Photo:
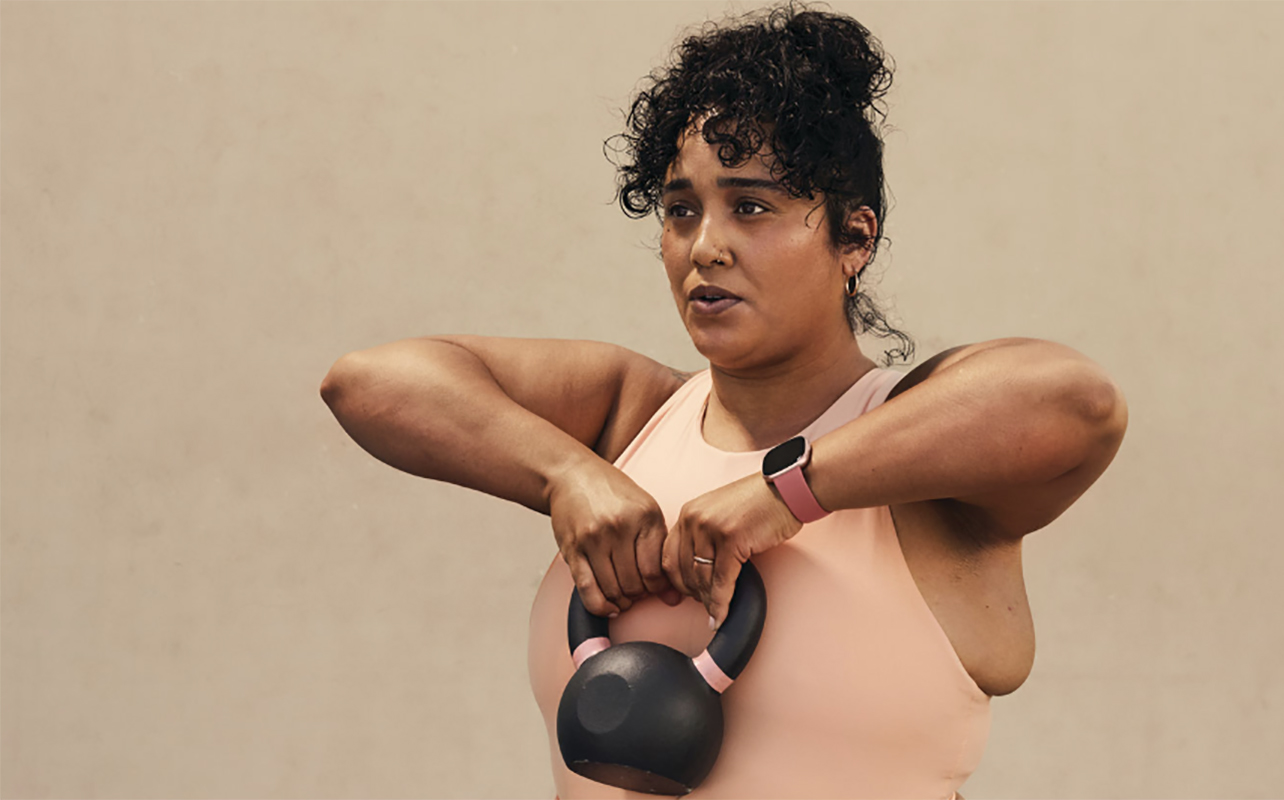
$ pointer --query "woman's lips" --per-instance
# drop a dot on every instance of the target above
(709, 300)
(709, 306)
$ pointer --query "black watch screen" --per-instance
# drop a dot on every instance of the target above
(783, 456)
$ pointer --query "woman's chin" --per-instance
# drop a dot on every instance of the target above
(726, 351)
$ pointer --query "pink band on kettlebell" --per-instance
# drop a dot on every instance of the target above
(589, 648)
(713, 674)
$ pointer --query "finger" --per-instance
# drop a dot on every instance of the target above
(590, 593)
(725, 573)
(673, 560)
(650, 559)
(686, 560)
(703, 545)
(624, 557)
(607, 581)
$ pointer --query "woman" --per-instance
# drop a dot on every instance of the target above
(891, 557)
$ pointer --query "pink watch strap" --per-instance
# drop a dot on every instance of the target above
(794, 490)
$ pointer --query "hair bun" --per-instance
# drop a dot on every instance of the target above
(839, 51)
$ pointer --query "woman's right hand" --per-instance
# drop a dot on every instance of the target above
(535, 421)
(611, 534)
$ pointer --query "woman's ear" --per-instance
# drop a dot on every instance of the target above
(860, 222)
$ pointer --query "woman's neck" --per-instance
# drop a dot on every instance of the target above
(760, 409)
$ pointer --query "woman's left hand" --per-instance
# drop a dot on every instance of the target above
(728, 525)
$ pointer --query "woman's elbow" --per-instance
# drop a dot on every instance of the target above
(1100, 405)
(345, 375)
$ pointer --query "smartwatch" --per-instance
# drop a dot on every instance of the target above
(783, 468)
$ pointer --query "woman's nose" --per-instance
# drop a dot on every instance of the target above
(709, 248)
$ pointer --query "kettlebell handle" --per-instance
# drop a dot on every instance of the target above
(727, 654)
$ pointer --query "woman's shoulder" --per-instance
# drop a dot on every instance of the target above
(646, 389)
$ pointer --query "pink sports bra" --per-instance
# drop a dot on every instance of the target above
(854, 689)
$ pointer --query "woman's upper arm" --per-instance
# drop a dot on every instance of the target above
(601, 394)
(1079, 412)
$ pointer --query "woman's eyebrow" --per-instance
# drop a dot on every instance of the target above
(751, 183)
(682, 184)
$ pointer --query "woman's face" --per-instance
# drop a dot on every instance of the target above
(755, 278)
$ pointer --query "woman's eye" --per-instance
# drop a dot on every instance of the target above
(677, 211)
(748, 206)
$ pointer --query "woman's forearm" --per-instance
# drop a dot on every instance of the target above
(1002, 427)
(433, 409)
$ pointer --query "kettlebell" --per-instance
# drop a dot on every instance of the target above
(643, 716)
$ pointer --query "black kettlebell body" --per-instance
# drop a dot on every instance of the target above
(643, 716)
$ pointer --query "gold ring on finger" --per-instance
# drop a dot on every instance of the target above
(703, 560)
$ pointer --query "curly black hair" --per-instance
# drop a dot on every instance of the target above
(804, 83)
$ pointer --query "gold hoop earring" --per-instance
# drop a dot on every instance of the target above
(853, 286)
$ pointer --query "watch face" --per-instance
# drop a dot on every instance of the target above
(782, 457)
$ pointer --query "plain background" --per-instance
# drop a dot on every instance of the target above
(210, 591)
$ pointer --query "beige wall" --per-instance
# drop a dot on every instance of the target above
(209, 591)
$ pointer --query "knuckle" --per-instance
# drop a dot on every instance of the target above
(652, 572)
(622, 518)
(649, 550)
(652, 532)
(689, 510)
